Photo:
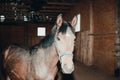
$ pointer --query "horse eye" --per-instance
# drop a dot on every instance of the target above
(58, 38)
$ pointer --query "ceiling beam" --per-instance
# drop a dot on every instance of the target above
(52, 11)
(55, 7)
(61, 3)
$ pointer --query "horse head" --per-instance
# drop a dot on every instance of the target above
(64, 42)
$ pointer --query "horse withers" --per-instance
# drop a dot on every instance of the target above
(40, 62)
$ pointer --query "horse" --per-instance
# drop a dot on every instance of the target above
(40, 61)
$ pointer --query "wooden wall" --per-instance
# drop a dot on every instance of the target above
(103, 24)
(11, 34)
(32, 32)
(22, 34)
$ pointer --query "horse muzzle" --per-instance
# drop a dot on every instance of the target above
(67, 69)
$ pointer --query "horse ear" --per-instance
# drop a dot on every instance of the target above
(74, 21)
(59, 20)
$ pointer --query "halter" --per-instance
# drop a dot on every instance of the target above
(65, 53)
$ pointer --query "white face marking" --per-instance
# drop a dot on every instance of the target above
(67, 34)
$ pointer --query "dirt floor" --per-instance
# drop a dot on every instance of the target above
(83, 72)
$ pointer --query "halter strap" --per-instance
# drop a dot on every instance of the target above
(65, 53)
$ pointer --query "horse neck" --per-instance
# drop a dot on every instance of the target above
(45, 60)
(48, 54)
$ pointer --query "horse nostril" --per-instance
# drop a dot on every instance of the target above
(65, 65)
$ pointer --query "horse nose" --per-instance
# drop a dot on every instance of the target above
(68, 69)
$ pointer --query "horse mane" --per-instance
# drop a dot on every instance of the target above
(48, 40)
